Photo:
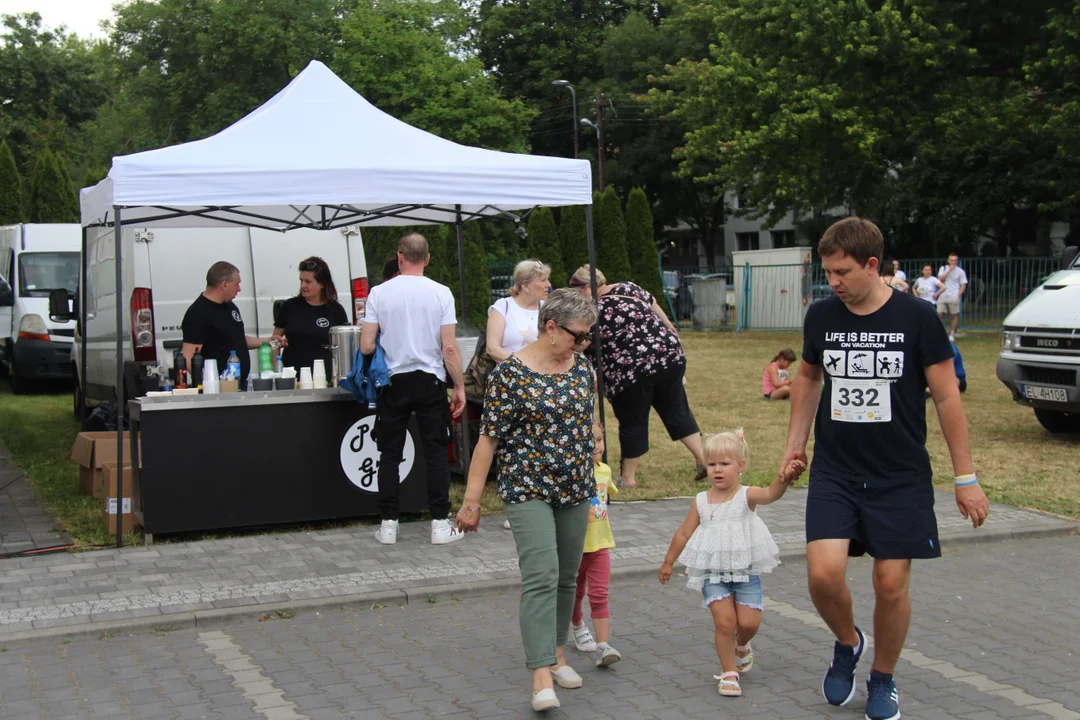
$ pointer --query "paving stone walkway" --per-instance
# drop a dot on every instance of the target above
(197, 583)
(25, 522)
(993, 636)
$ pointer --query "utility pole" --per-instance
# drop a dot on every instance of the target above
(601, 148)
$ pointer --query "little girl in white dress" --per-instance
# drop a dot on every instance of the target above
(726, 547)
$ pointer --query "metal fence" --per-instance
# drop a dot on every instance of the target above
(775, 297)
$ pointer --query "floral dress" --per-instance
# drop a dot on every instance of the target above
(544, 427)
(635, 344)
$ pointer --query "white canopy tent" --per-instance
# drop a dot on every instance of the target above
(317, 155)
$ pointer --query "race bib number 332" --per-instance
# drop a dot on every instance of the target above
(861, 401)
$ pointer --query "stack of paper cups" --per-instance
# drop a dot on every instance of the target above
(318, 374)
(305, 379)
(210, 381)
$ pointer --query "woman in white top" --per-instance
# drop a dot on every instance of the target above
(512, 320)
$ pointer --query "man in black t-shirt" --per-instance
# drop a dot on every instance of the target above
(213, 325)
(870, 481)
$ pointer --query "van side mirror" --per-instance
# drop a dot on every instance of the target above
(60, 306)
(7, 297)
(1070, 255)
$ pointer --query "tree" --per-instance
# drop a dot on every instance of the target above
(611, 252)
(573, 238)
(477, 281)
(11, 190)
(544, 244)
(413, 60)
(644, 260)
(52, 197)
(49, 86)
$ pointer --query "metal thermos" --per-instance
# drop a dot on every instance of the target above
(196, 369)
(344, 342)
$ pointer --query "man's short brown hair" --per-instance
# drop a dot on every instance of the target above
(219, 272)
(413, 247)
(855, 237)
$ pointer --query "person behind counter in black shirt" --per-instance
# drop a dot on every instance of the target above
(305, 320)
(213, 325)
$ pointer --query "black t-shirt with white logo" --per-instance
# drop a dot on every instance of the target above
(219, 328)
(307, 328)
(871, 421)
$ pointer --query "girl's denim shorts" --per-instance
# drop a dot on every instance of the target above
(746, 593)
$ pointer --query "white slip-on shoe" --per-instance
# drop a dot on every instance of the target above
(545, 700)
(506, 523)
(387, 532)
(443, 533)
(566, 677)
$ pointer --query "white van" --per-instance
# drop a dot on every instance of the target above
(1040, 355)
(34, 261)
(165, 271)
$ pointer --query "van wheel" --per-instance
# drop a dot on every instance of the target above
(1058, 422)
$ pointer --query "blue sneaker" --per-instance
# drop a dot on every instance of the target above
(838, 687)
(882, 702)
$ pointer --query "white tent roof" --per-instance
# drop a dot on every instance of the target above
(318, 155)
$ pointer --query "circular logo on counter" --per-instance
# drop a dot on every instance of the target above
(360, 455)
(236, 316)
(322, 322)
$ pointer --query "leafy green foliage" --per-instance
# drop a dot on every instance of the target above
(612, 256)
(573, 238)
(544, 244)
(477, 281)
(644, 260)
(11, 188)
(52, 197)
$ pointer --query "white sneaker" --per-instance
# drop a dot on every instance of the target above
(545, 700)
(387, 532)
(607, 655)
(442, 532)
(506, 523)
(583, 639)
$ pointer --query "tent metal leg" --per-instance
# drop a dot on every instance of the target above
(82, 331)
(466, 452)
(597, 352)
(118, 243)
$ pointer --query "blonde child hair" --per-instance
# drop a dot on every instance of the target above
(731, 444)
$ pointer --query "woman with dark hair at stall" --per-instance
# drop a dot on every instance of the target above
(305, 320)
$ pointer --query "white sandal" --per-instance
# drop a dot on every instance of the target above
(545, 700)
(729, 684)
(745, 662)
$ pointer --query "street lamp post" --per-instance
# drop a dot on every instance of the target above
(573, 97)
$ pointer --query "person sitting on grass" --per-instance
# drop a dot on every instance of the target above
(775, 384)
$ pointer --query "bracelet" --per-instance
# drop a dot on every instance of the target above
(472, 509)
(966, 480)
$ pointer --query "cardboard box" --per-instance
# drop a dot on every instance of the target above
(90, 450)
(109, 504)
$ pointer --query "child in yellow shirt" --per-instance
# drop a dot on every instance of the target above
(595, 571)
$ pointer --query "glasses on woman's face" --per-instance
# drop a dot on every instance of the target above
(308, 265)
(580, 338)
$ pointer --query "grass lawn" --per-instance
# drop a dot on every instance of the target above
(1018, 462)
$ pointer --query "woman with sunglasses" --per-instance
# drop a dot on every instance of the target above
(305, 320)
(539, 419)
(644, 366)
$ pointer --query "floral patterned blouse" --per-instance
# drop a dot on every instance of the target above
(544, 427)
(635, 344)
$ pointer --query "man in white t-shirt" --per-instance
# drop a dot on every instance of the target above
(928, 287)
(412, 318)
(948, 302)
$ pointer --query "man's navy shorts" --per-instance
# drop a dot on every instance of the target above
(893, 521)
